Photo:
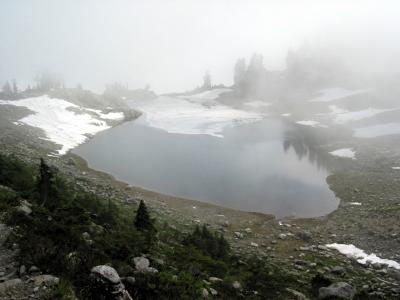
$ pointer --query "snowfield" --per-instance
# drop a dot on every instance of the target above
(342, 116)
(60, 125)
(257, 104)
(331, 94)
(345, 152)
(207, 95)
(178, 115)
(377, 130)
(352, 251)
(308, 123)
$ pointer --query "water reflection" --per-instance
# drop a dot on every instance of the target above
(248, 169)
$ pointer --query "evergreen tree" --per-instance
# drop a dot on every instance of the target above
(7, 88)
(14, 87)
(143, 221)
(207, 81)
(44, 183)
(239, 72)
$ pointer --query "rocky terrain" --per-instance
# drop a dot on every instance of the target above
(298, 246)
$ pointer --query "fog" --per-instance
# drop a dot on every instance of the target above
(170, 44)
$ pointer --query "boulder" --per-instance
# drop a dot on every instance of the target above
(295, 295)
(236, 285)
(10, 284)
(204, 293)
(214, 279)
(47, 280)
(25, 207)
(142, 265)
(340, 290)
(106, 284)
(305, 235)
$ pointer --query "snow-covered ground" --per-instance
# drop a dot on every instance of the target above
(377, 130)
(342, 116)
(345, 152)
(331, 94)
(362, 257)
(108, 116)
(257, 104)
(207, 95)
(308, 123)
(62, 126)
(178, 115)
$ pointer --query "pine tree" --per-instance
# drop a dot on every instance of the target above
(14, 87)
(207, 81)
(7, 88)
(44, 183)
(143, 221)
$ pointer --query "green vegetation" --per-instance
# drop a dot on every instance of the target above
(69, 231)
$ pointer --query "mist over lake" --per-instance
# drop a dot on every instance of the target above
(250, 168)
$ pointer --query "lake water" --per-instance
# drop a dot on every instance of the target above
(261, 166)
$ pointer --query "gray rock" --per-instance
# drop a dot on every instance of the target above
(10, 284)
(214, 279)
(25, 207)
(106, 284)
(236, 285)
(34, 269)
(204, 292)
(213, 292)
(238, 234)
(296, 295)
(305, 235)
(338, 270)
(48, 280)
(141, 263)
(22, 270)
(341, 290)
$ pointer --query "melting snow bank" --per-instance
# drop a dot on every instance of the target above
(257, 104)
(362, 257)
(62, 126)
(207, 95)
(344, 116)
(308, 123)
(331, 94)
(377, 130)
(345, 152)
(177, 115)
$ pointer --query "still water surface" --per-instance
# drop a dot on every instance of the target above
(261, 167)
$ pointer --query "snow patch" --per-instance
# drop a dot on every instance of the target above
(178, 115)
(343, 116)
(257, 104)
(207, 95)
(331, 94)
(377, 130)
(308, 123)
(355, 203)
(344, 152)
(362, 257)
(286, 115)
(108, 116)
(396, 168)
(61, 126)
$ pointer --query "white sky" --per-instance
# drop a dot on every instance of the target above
(170, 43)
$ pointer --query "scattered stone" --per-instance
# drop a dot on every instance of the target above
(10, 284)
(25, 207)
(282, 236)
(48, 280)
(341, 290)
(214, 279)
(213, 292)
(204, 292)
(253, 244)
(248, 230)
(305, 235)
(338, 270)
(142, 265)
(106, 284)
(22, 270)
(236, 285)
(34, 269)
(238, 234)
(296, 295)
